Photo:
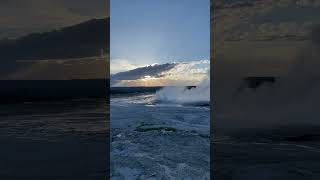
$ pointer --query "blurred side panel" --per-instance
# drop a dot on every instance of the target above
(266, 83)
(54, 85)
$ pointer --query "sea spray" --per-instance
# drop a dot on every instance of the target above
(184, 95)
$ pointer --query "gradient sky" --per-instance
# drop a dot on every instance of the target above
(147, 32)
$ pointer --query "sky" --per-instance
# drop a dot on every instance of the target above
(145, 32)
(21, 17)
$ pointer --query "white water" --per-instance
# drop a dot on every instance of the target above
(155, 153)
(183, 95)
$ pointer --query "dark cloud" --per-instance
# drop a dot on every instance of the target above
(20, 17)
(96, 8)
(73, 52)
(270, 20)
(84, 68)
(153, 71)
(237, 4)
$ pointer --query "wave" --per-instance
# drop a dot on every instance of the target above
(199, 95)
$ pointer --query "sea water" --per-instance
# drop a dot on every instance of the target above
(156, 138)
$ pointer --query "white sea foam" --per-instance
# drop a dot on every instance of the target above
(182, 95)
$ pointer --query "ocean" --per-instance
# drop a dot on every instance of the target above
(63, 139)
(282, 153)
(266, 128)
(156, 136)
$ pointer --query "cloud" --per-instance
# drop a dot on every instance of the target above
(151, 70)
(239, 4)
(308, 3)
(170, 74)
(64, 69)
(188, 70)
(229, 17)
(267, 20)
(20, 17)
(121, 65)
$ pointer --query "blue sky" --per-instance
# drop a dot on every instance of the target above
(159, 31)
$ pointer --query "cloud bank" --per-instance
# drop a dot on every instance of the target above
(21, 17)
(169, 74)
(267, 20)
(121, 65)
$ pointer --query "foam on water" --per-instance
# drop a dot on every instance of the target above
(182, 95)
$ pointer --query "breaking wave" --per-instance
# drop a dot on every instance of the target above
(198, 95)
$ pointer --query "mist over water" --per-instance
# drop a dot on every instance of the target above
(292, 100)
(199, 95)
